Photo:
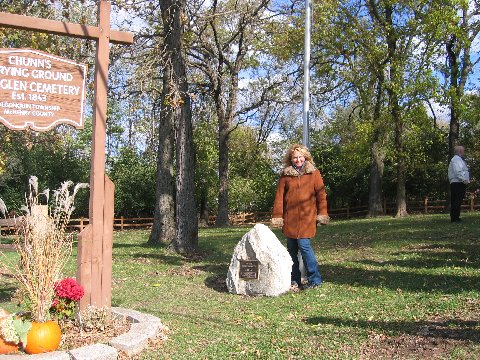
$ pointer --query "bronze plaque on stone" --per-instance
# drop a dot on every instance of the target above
(248, 269)
(40, 90)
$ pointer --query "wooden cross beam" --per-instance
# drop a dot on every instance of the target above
(94, 270)
(23, 22)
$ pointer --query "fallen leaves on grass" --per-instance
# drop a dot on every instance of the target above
(434, 339)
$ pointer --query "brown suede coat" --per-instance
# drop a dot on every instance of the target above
(300, 200)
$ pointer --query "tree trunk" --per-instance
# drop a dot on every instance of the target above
(458, 49)
(377, 153)
(401, 164)
(222, 213)
(225, 120)
(163, 229)
(204, 212)
(186, 238)
(455, 95)
(395, 80)
(375, 194)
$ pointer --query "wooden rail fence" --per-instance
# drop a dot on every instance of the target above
(121, 223)
(424, 206)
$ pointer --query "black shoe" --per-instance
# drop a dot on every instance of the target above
(311, 286)
(456, 220)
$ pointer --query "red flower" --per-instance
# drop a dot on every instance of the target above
(69, 289)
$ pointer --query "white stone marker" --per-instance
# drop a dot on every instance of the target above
(260, 265)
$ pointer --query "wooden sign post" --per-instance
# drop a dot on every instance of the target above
(94, 261)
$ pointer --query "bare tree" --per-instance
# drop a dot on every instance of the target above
(223, 33)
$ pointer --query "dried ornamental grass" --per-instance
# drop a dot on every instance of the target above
(44, 246)
(3, 208)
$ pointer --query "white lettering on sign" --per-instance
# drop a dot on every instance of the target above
(9, 84)
(30, 62)
(14, 71)
(55, 88)
(16, 112)
(51, 75)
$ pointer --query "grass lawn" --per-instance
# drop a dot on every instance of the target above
(393, 289)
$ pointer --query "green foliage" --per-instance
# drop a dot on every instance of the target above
(427, 148)
(285, 40)
(21, 328)
(14, 329)
(64, 309)
(470, 137)
(341, 152)
(134, 177)
(54, 157)
(66, 11)
(253, 180)
(206, 179)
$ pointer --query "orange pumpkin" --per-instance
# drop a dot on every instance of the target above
(6, 347)
(43, 337)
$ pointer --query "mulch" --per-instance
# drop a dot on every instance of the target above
(74, 336)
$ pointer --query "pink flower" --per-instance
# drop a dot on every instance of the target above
(68, 288)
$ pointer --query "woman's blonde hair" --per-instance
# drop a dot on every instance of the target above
(287, 159)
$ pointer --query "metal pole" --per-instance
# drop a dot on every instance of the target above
(306, 74)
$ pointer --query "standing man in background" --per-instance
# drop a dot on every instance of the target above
(459, 177)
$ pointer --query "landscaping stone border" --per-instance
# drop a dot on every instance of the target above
(144, 327)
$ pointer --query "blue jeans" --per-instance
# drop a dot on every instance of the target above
(309, 261)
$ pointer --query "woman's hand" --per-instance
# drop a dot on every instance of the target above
(277, 222)
(323, 219)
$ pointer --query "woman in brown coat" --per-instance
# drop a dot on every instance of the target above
(300, 203)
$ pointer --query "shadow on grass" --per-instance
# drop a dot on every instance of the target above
(173, 260)
(216, 281)
(369, 232)
(6, 292)
(142, 245)
(448, 329)
(436, 256)
(407, 281)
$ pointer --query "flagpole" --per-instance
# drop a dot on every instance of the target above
(306, 74)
